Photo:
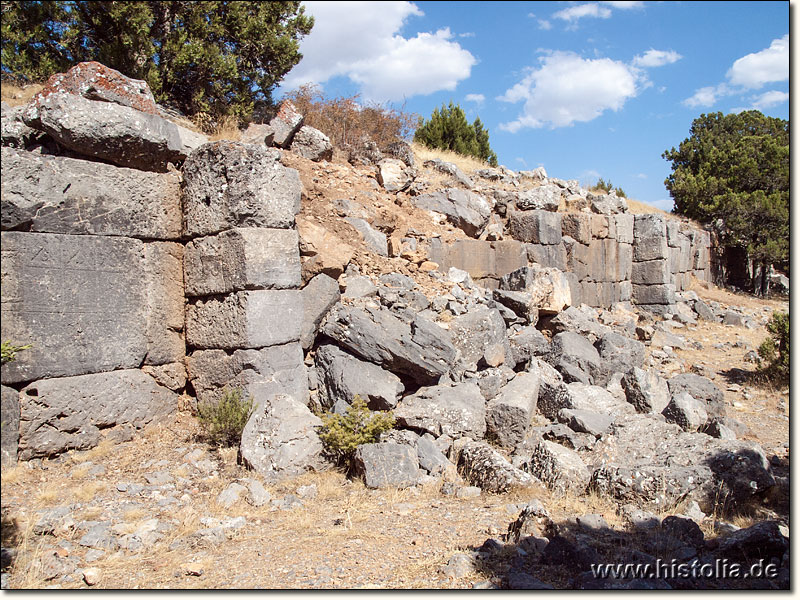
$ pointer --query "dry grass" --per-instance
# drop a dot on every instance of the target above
(465, 163)
(641, 208)
(15, 95)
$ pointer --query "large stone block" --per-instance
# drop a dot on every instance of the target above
(509, 414)
(654, 294)
(554, 255)
(479, 258)
(650, 272)
(603, 257)
(9, 434)
(649, 237)
(243, 259)
(466, 210)
(119, 134)
(477, 332)
(536, 226)
(549, 287)
(343, 377)
(165, 303)
(275, 370)
(227, 185)
(578, 226)
(68, 413)
(54, 194)
(623, 225)
(624, 262)
(544, 197)
(80, 301)
(387, 465)
(455, 411)
(251, 319)
(319, 296)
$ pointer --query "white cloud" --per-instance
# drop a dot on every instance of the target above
(567, 88)
(707, 96)
(625, 5)
(468, 34)
(759, 68)
(573, 13)
(640, 176)
(361, 40)
(545, 25)
(477, 98)
(656, 58)
(770, 99)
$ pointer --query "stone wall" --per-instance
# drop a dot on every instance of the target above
(613, 258)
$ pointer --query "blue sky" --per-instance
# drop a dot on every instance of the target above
(584, 89)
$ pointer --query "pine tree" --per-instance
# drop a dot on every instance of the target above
(448, 129)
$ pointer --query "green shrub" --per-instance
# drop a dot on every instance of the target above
(342, 434)
(224, 420)
(9, 351)
(448, 129)
(775, 349)
(607, 186)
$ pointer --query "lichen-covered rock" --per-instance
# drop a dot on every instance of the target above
(312, 144)
(387, 465)
(558, 467)
(455, 411)
(486, 468)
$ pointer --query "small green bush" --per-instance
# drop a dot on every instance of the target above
(607, 186)
(775, 349)
(342, 434)
(9, 351)
(224, 420)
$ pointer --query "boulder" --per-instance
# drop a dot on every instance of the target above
(9, 433)
(69, 413)
(243, 258)
(476, 332)
(285, 124)
(548, 287)
(558, 467)
(700, 388)
(55, 194)
(312, 144)
(509, 413)
(645, 390)
(535, 226)
(258, 133)
(419, 349)
(596, 399)
(526, 344)
(319, 296)
(545, 197)
(375, 240)
(585, 421)
(119, 134)
(455, 411)
(553, 392)
(228, 184)
(466, 210)
(450, 169)
(344, 377)
(620, 353)
(686, 412)
(486, 468)
(387, 465)
(581, 320)
(393, 175)
(570, 349)
(280, 440)
(13, 131)
(431, 457)
(322, 251)
(760, 541)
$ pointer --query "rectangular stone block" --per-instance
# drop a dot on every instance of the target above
(650, 272)
(165, 303)
(536, 226)
(243, 259)
(623, 224)
(80, 301)
(673, 231)
(654, 294)
(68, 413)
(590, 293)
(625, 291)
(554, 255)
(624, 261)
(578, 226)
(599, 227)
(509, 255)
(578, 261)
(481, 259)
(575, 289)
(650, 237)
(274, 370)
(603, 260)
(54, 194)
(251, 319)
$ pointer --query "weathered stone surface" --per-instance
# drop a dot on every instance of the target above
(650, 272)
(420, 349)
(374, 239)
(387, 465)
(760, 541)
(13, 131)
(619, 353)
(553, 392)
(119, 134)
(645, 390)
(431, 457)
(171, 375)
(544, 197)
(654, 294)
(319, 296)
(450, 169)
(251, 319)
(95, 81)
(9, 434)
(280, 439)
(476, 332)
(570, 348)
(585, 421)
(67, 413)
(242, 259)
(65, 195)
(322, 251)
(597, 399)
(258, 133)
(646, 460)
(536, 226)
(402, 151)
(527, 343)
(521, 303)
(686, 412)
(579, 320)
(285, 124)
(578, 226)
(273, 370)
(79, 300)
(623, 225)
(483, 466)
(509, 414)
(455, 411)
(392, 175)
(228, 184)
(344, 377)
(558, 467)
(481, 259)
(464, 209)
(312, 144)
(700, 388)
(552, 255)
(165, 303)
(548, 286)
(649, 237)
